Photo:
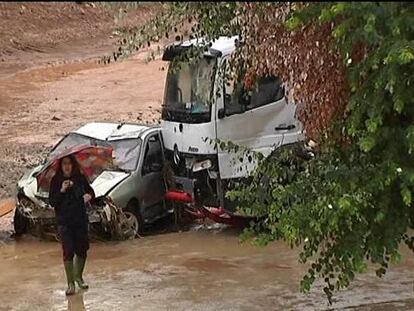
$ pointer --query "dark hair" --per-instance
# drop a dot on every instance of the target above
(75, 166)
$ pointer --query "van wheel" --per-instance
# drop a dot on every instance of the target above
(130, 227)
(131, 210)
(20, 223)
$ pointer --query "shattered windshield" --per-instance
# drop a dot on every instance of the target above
(71, 140)
(126, 151)
(188, 92)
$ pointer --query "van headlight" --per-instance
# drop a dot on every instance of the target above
(202, 165)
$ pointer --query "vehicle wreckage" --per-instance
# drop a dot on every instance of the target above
(175, 165)
(129, 195)
(201, 107)
(106, 220)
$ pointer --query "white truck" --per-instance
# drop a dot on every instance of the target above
(200, 107)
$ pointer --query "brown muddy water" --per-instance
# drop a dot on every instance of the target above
(202, 269)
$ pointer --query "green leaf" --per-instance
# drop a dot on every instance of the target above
(338, 8)
(372, 124)
(340, 31)
(366, 144)
(326, 15)
(398, 105)
(406, 56)
(369, 28)
(379, 217)
(344, 203)
(406, 195)
(410, 138)
(396, 257)
(293, 23)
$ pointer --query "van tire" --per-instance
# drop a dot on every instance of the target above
(133, 207)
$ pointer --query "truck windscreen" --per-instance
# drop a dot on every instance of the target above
(188, 92)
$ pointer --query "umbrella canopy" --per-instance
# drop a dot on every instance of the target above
(92, 160)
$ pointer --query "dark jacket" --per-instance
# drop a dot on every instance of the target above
(69, 206)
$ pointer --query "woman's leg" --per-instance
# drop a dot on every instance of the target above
(66, 237)
(81, 249)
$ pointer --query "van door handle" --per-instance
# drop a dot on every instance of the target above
(285, 127)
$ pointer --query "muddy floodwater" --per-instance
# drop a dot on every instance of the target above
(205, 269)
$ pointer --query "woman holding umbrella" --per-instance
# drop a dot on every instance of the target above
(69, 194)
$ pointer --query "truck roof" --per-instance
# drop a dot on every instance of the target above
(220, 47)
(113, 131)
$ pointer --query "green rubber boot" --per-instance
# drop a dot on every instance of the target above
(69, 277)
(79, 267)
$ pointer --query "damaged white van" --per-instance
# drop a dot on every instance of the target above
(135, 184)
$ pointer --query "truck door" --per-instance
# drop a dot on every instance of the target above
(152, 199)
(256, 120)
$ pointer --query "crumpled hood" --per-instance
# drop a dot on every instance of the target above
(28, 182)
(106, 181)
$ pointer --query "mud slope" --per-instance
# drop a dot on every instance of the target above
(30, 26)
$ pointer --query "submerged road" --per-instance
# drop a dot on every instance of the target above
(196, 270)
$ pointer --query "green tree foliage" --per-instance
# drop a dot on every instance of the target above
(351, 66)
(353, 202)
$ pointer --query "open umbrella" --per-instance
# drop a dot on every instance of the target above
(92, 160)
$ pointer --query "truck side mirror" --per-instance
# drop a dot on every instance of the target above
(221, 113)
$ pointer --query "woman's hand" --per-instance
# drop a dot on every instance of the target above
(87, 197)
(66, 185)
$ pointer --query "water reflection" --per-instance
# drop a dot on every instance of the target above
(75, 302)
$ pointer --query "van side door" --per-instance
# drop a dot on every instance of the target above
(152, 181)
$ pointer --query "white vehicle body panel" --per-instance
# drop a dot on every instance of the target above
(194, 138)
(28, 183)
(225, 45)
(258, 129)
(106, 181)
(109, 131)
(255, 129)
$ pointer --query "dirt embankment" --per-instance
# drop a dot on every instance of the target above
(31, 26)
(51, 83)
(35, 26)
(61, 32)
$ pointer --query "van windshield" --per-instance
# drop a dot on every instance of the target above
(188, 92)
(126, 151)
